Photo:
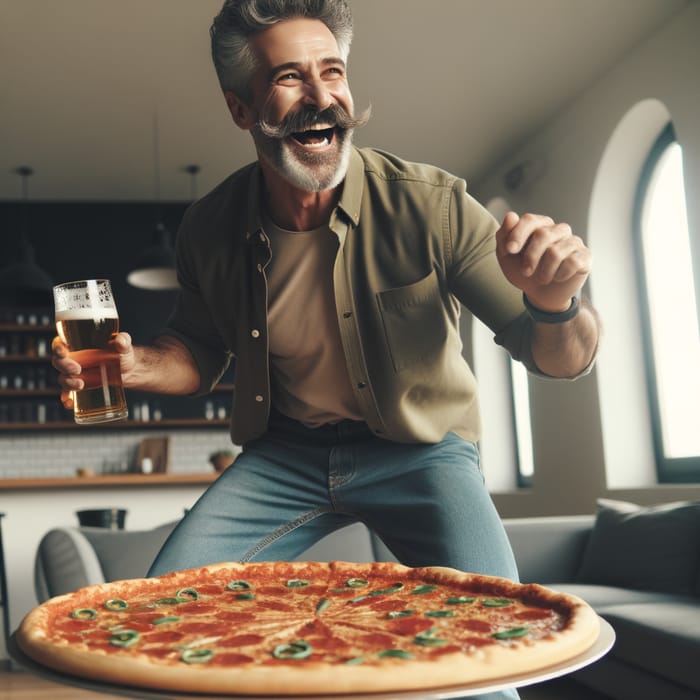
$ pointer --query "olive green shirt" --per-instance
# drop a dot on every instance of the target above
(412, 245)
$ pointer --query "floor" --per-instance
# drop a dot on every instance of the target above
(18, 685)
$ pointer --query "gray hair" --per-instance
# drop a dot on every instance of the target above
(240, 20)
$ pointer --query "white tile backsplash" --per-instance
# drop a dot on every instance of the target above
(36, 455)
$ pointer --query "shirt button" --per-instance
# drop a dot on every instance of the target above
(255, 333)
(361, 385)
(347, 314)
(259, 398)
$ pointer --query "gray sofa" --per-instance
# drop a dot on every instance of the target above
(638, 567)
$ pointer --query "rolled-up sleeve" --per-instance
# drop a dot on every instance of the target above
(478, 281)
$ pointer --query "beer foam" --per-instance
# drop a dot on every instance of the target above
(91, 314)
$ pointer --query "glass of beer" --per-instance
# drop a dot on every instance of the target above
(87, 320)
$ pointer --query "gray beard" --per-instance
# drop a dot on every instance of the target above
(306, 171)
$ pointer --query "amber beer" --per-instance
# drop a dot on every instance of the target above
(87, 320)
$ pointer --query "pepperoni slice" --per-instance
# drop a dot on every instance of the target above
(410, 625)
(235, 616)
(232, 659)
(378, 639)
(240, 640)
(388, 605)
(208, 628)
(163, 637)
(197, 608)
(275, 605)
(478, 641)
(475, 625)
(75, 625)
(533, 614)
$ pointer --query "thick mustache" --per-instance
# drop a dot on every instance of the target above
(303, 120)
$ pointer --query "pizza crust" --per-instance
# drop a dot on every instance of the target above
(489, 663)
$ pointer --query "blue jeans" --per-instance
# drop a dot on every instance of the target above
(427, 502)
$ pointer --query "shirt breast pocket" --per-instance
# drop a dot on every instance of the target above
(414, 321)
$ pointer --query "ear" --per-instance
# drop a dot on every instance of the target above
(240, 111)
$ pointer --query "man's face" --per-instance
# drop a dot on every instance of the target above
(300, 75)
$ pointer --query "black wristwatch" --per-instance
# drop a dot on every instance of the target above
(549, 316)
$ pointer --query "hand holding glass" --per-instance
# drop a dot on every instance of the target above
(87, 321)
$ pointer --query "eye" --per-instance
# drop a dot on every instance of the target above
(334, 73)
(288, 78)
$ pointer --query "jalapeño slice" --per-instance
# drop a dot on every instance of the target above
(196, 656)
(511, 633)
(296, 650)
(124, 638)
(298, 583)
(186, 595)
(239, 586)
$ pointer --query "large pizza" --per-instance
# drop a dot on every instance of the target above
(305, 628)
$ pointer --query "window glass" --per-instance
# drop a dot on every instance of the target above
(523, 426)
(668, 303)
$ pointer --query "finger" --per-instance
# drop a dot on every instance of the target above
(519, 236)
(58, 347)
(67, 399)
(577, 263)
(562, 262)
(543, 241)
(122, 342)
(510, 221)
(70, 382)
(65, 365)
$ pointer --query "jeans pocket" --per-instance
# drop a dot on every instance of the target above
(414, 321)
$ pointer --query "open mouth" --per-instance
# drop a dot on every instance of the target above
(314, 138)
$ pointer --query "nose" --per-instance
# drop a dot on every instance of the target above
(318, 94)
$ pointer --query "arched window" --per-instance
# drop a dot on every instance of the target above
(669, 314)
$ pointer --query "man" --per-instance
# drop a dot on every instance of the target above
(333, 275)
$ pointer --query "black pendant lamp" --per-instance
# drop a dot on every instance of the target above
(22, 282)
(155, 267)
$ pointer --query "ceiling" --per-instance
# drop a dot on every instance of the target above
(457, 83)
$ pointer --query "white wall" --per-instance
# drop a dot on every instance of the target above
(575, 460)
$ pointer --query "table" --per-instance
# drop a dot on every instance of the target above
(603, 644)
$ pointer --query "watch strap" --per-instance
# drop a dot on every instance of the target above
(552, 317)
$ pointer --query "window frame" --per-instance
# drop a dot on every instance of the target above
(668, 469)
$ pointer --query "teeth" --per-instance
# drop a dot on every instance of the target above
(320, 144)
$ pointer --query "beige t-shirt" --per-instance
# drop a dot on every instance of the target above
(310, 381)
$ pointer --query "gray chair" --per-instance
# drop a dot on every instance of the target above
(71, 557)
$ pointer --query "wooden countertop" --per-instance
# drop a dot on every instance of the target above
(108, 480)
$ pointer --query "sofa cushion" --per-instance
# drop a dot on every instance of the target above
(548, 548)
(663, 636)
(649, 548)
(602, 597)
